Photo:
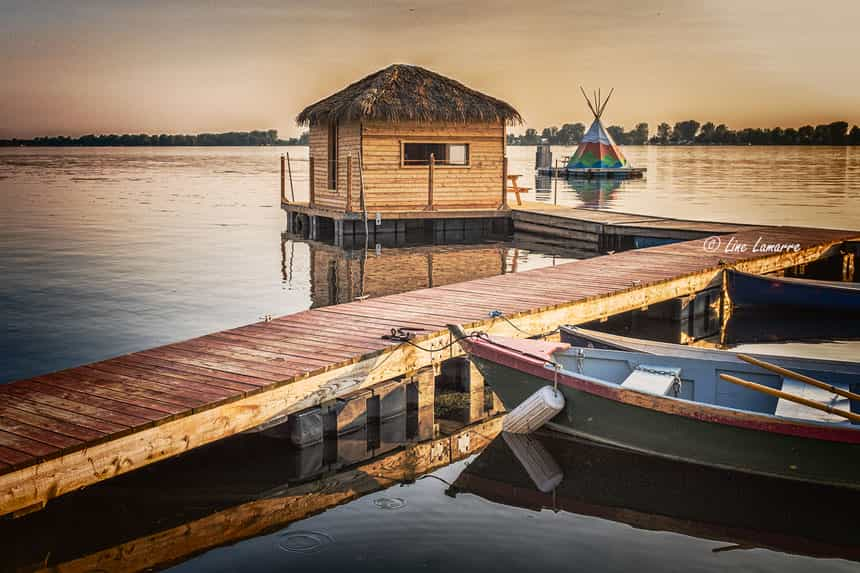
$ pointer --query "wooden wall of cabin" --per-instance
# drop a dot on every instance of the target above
(348, 143)
(389, 186)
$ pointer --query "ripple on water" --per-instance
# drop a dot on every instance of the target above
(389, 502)
(304, 541)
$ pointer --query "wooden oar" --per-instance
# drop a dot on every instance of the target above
(798, 376)
(790, 397)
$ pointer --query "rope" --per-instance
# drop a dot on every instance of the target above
(447, 346)
(500, 314)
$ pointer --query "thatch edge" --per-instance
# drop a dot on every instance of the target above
(344, 105)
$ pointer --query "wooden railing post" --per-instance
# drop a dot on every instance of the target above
(283, 181)
(432, 166)
(504, 182)
(349, 183)
(312, 177)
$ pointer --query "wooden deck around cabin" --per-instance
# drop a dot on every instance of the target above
(70, 429)
(465, 212)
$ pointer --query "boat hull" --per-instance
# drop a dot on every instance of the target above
(754, 290)
(680, 437)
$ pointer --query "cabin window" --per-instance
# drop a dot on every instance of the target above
(332, 155)
(443, 153)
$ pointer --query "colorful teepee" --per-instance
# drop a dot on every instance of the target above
(597, 150)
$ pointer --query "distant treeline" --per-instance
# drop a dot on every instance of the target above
(692, 132)
(232, 138)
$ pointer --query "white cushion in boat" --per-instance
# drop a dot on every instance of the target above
(658, 380)
(789, 409)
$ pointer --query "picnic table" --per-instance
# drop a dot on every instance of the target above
(515, 188)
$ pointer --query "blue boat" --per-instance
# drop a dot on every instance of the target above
(755, 290)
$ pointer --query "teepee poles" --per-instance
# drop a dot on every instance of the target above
(603, 107)
(596, 103)
(588, 101)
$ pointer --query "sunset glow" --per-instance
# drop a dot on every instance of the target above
(74, 68)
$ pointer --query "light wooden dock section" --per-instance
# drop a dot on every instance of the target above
(596, 230)
(74, 428)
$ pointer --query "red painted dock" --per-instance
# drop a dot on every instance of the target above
(73, 428)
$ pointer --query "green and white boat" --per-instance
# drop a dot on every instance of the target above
(679, 407)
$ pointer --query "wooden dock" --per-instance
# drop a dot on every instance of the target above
(70, 429)
(595, 230)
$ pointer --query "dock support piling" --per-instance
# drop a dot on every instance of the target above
(848, 267)
(290, 173)
(474, 383)
(421, 401)
(283, 180)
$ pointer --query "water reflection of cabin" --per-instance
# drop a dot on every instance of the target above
(339, 275)
(404, 147)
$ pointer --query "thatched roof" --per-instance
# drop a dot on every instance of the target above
(402, 93)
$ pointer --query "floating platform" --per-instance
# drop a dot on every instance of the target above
(608, 172)
(67, 430)
(345, 228)
(596, 230)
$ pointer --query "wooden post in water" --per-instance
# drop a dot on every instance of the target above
(349, 183)
(505, 182)
(555, 184)
(848, 267)
(312, 177)
(432, 166)
(290, 172)
(283, 177)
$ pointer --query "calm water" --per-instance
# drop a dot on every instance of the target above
(107, 251)
(818, 186)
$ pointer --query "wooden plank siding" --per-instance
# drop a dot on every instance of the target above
(389, 185)
(348, 144)
(114, 416)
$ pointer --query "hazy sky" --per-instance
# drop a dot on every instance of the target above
(74, 67)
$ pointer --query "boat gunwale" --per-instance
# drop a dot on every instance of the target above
(644, 346)
(709, 413)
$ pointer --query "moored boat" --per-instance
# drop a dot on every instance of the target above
(844, 372)
(747, 289)
(681, 407)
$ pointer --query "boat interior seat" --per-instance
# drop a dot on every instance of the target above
(654, 379)
(788, 409)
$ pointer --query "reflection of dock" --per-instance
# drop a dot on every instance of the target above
(651, 493)
(67, 430)
(167, 515)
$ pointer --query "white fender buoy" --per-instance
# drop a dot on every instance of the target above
(534, 411)
(538, 463)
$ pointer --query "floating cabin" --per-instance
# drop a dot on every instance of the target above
(404, 150)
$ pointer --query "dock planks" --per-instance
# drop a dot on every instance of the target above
(590, 225)
(76, 427)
